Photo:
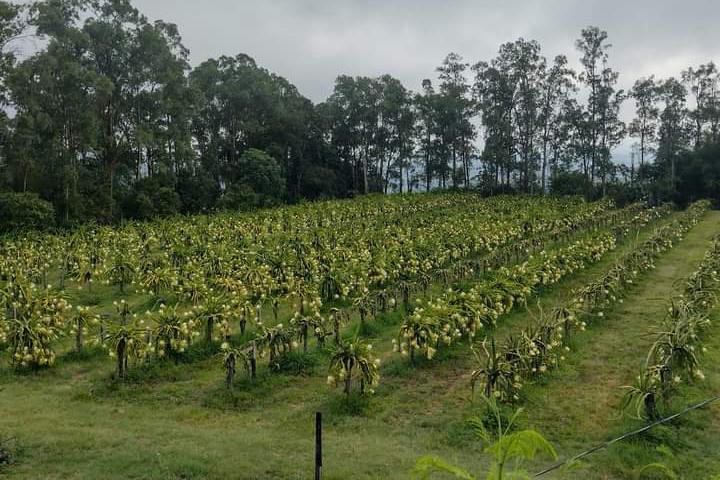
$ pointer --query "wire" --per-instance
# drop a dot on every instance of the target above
(629, 434)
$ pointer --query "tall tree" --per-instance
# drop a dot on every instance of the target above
(646, 94)
(511, 97)
(12, 25)
(603, 102)
(397, 127)
(703, 85)
(495, 92)
(674, 125)
(427, 126)
(556, 86)
(457, 110)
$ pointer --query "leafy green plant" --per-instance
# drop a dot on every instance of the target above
(497, 374)
(354, 356)
(79, 322)
(642, 397)
(173, 331)
(122, 272)
(230, 357)
(655, 469)
(505, 446)
(125, 339)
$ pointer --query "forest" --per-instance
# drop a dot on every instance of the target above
(109, 121)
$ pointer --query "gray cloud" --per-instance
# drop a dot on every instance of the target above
(310, 42)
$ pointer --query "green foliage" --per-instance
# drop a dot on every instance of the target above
(656, 470)
(674, 356)
(238, 196)
(296, 363)
(258, 183)
(198, 193)
(503, 445)
(426, 466)
(140, 134)
(152, 197)
(21, 211)
(569, 183)
(354, 357)
(11, 449)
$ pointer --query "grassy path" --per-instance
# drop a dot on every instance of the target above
(576, 407)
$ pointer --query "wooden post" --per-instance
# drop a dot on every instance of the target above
(318, 445)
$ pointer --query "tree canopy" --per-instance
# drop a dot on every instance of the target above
(109, 121)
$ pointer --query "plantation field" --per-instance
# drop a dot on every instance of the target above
(202, 347)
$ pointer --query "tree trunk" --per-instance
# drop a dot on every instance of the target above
(230, 372)
(348, 380)
(305, 337)
(400, 166)
(454, 167)
(79, 338)
(428, 178)
(112, 182)
(121, 358)
(365, 172)
(253, 362)
(209, 330)
(544, 164)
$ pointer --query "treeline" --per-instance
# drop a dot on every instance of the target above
(109, 121)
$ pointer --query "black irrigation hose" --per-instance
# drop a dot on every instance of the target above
(630, 434)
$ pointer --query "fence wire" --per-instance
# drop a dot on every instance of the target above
(629, 434)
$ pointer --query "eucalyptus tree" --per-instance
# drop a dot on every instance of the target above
(527, 67)
(121, 44)
(53, 92)
(457, 109)
(372, 129)
(233, 93)
(397, 120)
(592, 45)
(702, 83)
(354, 111)
(92, 96)
(12, 26)
(674, 130)
(15, 147)
(612, 129)
(556, 86)
(646, 94)
(512, 98)
(495, 92)
(426, 129)
(580, 135)
(243, 107)
(603, 125)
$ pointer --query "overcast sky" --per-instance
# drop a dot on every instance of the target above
(310, 42)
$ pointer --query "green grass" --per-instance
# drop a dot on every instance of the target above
(578, 406)
(177, 420)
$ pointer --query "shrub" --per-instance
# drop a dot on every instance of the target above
(152, 197)
(295, 363)
(21, 211)
(258, 183)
